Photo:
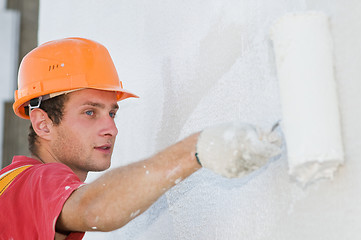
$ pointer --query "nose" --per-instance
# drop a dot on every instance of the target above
(108, 127)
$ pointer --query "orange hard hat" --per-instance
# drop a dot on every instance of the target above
(65, 65)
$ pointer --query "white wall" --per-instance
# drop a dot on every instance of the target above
(197, 63)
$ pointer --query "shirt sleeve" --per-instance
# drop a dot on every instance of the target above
(49, 186)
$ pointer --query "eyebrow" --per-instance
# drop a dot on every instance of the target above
(115, 106)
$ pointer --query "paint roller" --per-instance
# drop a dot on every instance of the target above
(310, 113)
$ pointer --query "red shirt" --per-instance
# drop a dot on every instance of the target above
(31, 204)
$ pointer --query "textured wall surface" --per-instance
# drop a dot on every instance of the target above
(197, 63)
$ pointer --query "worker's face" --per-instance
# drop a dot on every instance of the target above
(84, 140)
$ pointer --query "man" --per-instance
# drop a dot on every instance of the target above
(69, 90)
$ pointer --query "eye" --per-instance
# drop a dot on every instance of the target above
(112, 114)
(89, 112)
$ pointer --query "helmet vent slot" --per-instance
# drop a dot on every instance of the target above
(52, 67)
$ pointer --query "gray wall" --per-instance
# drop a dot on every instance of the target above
(15, 129)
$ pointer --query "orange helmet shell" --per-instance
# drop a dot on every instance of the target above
(63, 65)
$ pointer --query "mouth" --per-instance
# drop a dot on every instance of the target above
(106, 148)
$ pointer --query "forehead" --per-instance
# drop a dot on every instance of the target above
(83, 96)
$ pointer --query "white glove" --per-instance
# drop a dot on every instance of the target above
(236, 149)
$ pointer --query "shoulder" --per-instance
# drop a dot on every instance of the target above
(40, 169)
(39, 192)
(52, 175)
(43, 176)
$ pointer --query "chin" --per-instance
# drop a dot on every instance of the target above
(103, 167)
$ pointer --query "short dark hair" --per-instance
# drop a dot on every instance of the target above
(54, 107)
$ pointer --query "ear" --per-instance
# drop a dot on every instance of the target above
(41, 123)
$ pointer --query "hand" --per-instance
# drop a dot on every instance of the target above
(236, 149)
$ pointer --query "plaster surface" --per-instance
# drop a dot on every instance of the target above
(199, 63)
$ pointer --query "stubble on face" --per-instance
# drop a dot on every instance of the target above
(77, 142)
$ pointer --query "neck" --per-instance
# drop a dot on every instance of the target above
(43, 158)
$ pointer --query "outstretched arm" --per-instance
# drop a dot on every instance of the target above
(230, 149)
(119, 195)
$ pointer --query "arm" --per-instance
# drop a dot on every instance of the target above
(119, 195)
